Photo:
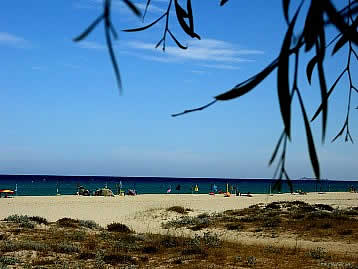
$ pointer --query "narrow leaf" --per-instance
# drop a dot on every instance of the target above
(328, 94)
(278, 185)
(190, 15)
(277, 167)
(310, 30)
(144, 27)
(340, 43)
(159, 42)
(310, 142)
(133, 7)
(286, 5)
(273, 157)
(283, 87)
(146, 8)
(310, 67)
(346, 36)
(177, 42)
(181, 14)
(114, 32)
(89, 29)
(338, 20)
(180, 10)
(288, 180)
(223, 2)
(113, 58)
(249, 84)
(340, 133)
(324, 98)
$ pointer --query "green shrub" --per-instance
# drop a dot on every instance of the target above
(318, 253)
(8, 260)
(118, 227)
(234, 226)
(88, 224)
(17, 218)
(39, 220)
(324, 207)
(115, 259)
(65, 248)
(193, 223)
(10, 246)
(68, 223)
(24, 221)
(77, 235)
(178, 209)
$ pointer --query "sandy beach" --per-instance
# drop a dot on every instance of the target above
(141, 212)
(146, 214)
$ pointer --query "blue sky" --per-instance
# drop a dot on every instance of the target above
(61, 112)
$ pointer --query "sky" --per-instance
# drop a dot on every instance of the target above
(62, 113)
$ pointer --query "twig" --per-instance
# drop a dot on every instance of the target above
(195, 109)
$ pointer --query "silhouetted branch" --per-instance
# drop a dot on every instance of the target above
(195, 109)
(345, 127)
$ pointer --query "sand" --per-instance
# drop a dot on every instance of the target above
(139, 212)
(146, 213)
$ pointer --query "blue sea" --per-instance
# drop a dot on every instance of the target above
(40, 185)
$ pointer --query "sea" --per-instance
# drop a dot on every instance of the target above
(44, 185)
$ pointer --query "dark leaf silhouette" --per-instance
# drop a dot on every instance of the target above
(144, 27)
(176, 41)
(277, 186)
(286, 5)
(346, 36)
(223, 2)
(310, 67)
(132, 7)
(89, 29)
(195, 109)
(190, 15)
(340, 133)
(320, 51)
(181, 15)
(340, 43)
(311, 28)
(113, 31)
(159, 42)
(328, 94)
(288, 180)
(146, 8)
(338, 20)
(273, 157)
(113, 58)
(247, 85)
(310, 142)
(283, 87)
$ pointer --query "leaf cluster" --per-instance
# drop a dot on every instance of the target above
(307, 38)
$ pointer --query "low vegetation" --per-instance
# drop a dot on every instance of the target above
(118, 227)
(297, 217)
(179, 209)
(69, 244)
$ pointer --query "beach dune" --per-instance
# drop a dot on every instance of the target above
(137, 211)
